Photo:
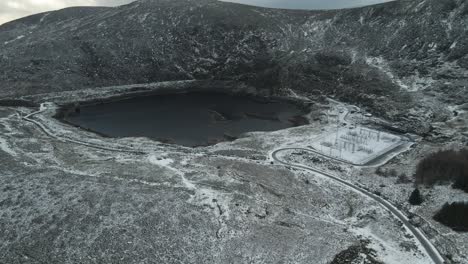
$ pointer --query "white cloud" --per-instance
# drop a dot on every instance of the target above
(14, 5)
(13, 9)
(6, 17)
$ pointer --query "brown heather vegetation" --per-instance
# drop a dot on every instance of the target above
(447, 166)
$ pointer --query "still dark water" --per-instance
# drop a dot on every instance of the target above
(191, 119)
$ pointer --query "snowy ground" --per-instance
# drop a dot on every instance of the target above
(224, 203)
(398, 164)
(79, 203)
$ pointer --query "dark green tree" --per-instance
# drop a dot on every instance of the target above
(415, 197)
(441, 167)
(454, 215)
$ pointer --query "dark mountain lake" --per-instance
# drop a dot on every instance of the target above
(190, 119)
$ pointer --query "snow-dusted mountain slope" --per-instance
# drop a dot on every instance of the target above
(385, 57)
(155, 40)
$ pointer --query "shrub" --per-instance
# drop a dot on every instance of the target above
(454, 215)
(379, 171)
(461, 183)
(444, 167)
(403, 178)
(415, 197)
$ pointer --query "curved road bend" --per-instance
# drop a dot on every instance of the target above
(425, 242)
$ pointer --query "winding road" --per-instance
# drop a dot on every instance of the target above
(425, 242)
(431, 251)
(43, 108)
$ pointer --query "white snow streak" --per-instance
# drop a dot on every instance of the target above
(6, 148)
(17, 38)
(43, 17)
(454, 44)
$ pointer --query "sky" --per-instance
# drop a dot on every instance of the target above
(13, 9)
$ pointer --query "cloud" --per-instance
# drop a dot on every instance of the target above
(13, 9)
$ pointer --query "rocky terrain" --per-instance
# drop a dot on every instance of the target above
(77, 197)
(68, 195)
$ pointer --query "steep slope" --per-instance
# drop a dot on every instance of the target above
(371, 55)
(141, 42)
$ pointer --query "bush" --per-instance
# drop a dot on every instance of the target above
(454, 215)
(403, 179)
(386, 172)
(415, 197)
(380, 171)
(444, 167)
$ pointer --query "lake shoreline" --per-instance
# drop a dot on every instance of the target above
(143, 115)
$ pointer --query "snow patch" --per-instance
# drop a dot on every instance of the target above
(295, 95)
(165, 162)
(142, 18)
(419, 6)
(454, 44)
(6, 148)
(214, 198)
(391, 253)
(153, 159)
(13, 40)
(44, 107)
(411, 83)
(44, 17)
